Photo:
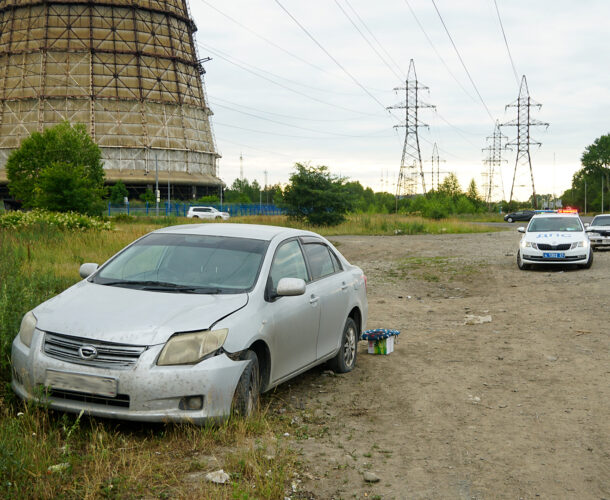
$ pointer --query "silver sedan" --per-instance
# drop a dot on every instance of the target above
(191, 323)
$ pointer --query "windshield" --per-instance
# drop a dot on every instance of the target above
(186, 263)
(601, 220)
(544, 224)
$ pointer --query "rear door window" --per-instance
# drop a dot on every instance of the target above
(320, 261)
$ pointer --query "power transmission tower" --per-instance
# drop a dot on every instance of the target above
(494, 162)
(524, 141)
(436, 161)
(411, 163)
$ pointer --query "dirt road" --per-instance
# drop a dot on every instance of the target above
(518, 407)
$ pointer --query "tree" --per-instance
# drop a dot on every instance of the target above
(450, 186)
(60, 169)
(473, 192)
(316, 196)
(147, 196)
(587, 182)
(118, 192)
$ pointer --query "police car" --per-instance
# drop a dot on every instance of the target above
(554, 238)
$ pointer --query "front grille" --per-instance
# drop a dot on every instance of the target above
(121, 400)
(546, 246)
(109, 355)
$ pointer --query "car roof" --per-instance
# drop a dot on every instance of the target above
(253, 231)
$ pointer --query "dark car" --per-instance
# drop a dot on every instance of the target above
(520, 215)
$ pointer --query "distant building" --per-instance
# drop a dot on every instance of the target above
(128, 70)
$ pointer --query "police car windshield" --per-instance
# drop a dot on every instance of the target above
(603, 220)
(544, 224)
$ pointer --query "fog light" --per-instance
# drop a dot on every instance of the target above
(191, 403)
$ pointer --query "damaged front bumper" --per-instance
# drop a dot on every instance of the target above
(145, 392)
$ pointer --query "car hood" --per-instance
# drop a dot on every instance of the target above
(129, 316)
(555, 237)
(599, 228)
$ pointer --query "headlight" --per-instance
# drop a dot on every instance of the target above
(593, 234)
(528, 244)
(580, 244)
(26, 331)
(190, 348)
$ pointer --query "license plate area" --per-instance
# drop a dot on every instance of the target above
(554, 255)
(80, 382)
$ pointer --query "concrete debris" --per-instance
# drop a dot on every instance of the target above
(218, 477)
(58, 467)
(472, 319)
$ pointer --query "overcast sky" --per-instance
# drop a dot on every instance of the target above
(279, 97)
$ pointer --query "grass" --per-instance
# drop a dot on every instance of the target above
(44, 454)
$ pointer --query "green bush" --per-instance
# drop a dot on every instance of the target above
(68, 220)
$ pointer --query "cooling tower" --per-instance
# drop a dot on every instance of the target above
(127, 69)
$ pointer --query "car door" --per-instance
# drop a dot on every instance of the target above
(330, 284)
(293, 321)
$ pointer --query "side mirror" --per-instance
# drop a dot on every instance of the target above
(87, 269)
(290, 287)
(587, 224)
(521, 229)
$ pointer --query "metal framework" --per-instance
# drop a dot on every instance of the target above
(128, 69)
(435, 161)
(494, 163)
(411, 164)
(524, 141)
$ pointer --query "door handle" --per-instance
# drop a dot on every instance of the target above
(344, 286)
(313, 300)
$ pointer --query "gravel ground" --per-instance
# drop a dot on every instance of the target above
(514, 407)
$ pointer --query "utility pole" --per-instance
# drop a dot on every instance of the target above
(241, 167)
(266, 192)
(524, 141)
(493, 162)
(411, 163)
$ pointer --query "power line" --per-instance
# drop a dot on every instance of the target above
(462, 61)
(311, 37)
(337, 134)
(512, 63)
(375, 38)
(436, 51)
(367, 40)
(291, 117)
(292, 136)
(285, 87)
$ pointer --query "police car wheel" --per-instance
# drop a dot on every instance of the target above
(520, 264)
(589, 262)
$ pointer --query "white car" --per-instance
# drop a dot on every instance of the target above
(207, 213)
(599, 231)
(554, 238)
(191, 322)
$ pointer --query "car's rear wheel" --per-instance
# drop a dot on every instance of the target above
(218, 217)
(247, 392)
(195, 217)
(345, 360)
(520, 264)
(589, 261)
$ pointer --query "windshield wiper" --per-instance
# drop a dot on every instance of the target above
(163, 285)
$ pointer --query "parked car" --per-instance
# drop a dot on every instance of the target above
(521, 215)
(206, 213)
(599, 231)
(192, 322)
(554, 238)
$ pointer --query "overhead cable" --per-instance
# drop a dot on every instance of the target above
(313, 39)
(462, 62)
(512, 63)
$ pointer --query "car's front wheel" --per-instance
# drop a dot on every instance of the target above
(345, 360)
(520, 264)
(247, 392)
(510, 219)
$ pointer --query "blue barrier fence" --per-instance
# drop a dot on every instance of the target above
(181, 209)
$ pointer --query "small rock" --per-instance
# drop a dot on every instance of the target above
(218, 477)
(286, 434)
(369, 477)
(551, 358)
(502, 406)
(329, 373)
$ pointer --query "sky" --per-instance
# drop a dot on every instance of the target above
(309, 81)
